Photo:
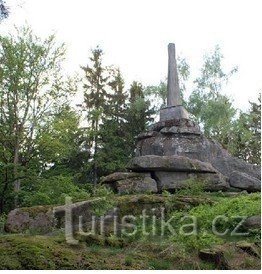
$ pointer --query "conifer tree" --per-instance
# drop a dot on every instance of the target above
(95, 96)
(138, 115)
(112, 153)
(118, 97)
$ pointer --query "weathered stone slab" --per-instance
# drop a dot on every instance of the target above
(169, 123)
(244, 181)
(147, 134)
(44, 219)
(177, 180)
(136, 185)
(169, 163)
(121, 176)
(227, 164)
(130, 182)
(180, 130)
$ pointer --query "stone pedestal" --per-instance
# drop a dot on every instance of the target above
(182, 137)
(173, 112)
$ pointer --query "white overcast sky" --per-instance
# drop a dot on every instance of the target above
(134, 35)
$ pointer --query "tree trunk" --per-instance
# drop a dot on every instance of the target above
(95, 152)
(16, 180)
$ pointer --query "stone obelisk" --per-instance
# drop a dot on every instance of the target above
(173, 95)
(174, 109)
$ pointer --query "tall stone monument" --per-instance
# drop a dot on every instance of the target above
(174, 107)
(174, 150)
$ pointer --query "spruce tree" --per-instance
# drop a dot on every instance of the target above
(117, 99)
(112, 153)
(95, 96)
(138, 115)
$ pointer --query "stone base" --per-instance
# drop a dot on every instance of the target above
(183, 138)
(173, 112)
(130, 182)
(171, 181)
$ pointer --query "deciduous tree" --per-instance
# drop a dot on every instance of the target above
(31, 91)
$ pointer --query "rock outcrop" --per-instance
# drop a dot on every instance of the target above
(253, 222)
(83, 218)
(130, 182)
(244, 181)
(181, 139)
(169, 163)
(174, 150)
(36, 219)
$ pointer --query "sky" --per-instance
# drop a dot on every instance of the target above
(134, 35)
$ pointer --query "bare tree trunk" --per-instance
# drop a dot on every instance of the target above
(2, 201)
(17, 181)
(95, 152)
(16, 162)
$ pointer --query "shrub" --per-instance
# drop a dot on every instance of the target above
(244, 205)
(192, 188)
(2, 223)
(53, 191)
(107, 202)
(197, 241)
(232, 210)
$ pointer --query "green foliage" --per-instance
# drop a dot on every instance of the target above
(158, 93)
(38, 252)
(160, 264)
(3, 218)
(218, 114)
(216, 117)
(197, 241)
(169, 201)
(57, 139)
(106, 201)
(232, 210)
(124, 118)
(212, 76)
(101, 191)
(192, 187)
(138, 116)
(246, 142)
(95, 95)
(116, 105)
(244, 205)
(32, 90)
(53, 191)
(129, 261)
(112, 154)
